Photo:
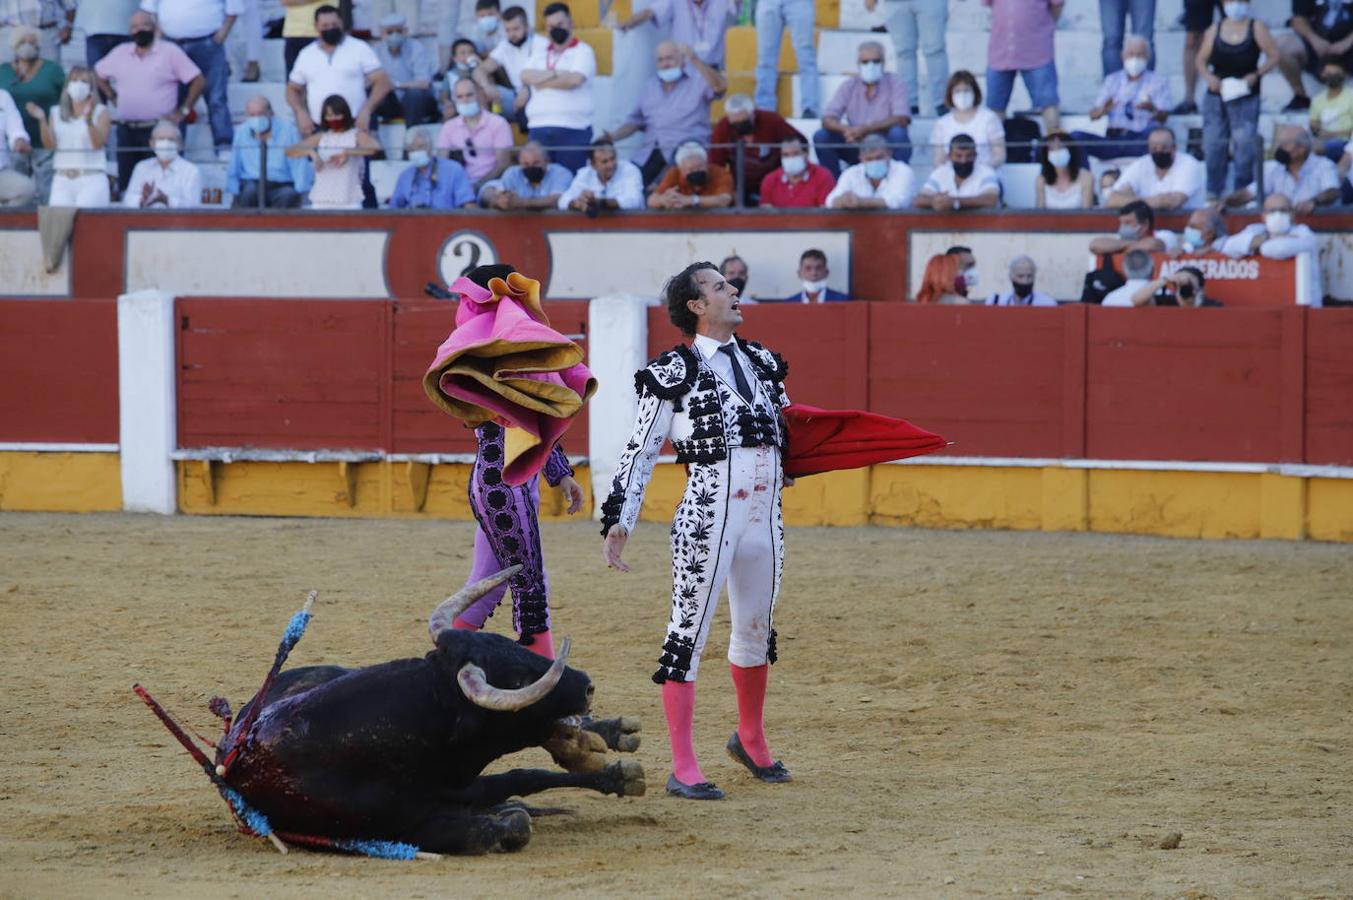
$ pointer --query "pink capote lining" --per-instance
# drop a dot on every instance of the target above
(527, 375)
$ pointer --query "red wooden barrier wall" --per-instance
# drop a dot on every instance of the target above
(1329, 387)
(58, 371)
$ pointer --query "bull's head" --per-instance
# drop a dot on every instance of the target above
(499, 675)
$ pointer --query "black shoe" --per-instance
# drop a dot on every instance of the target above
(809, 114)
(1185, 108)
(915, 110)
(705, 790)
(1298, 103)
(775, 773)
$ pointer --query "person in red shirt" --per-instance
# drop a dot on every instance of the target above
(798, 183)
(759, 131)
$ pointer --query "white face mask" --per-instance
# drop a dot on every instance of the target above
(1134, 66)
(1059, 157)
(970, 277)
(79, 91)
(1278, 222)
(166, 150)
(419, 158)
(1236, 10)
(794, 165)
(814, 287)
(964, 99)
(871, 72)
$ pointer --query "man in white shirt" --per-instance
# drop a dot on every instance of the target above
(335, 64)
(1204, 232)
(201, 27)
(16, 189)
(1307, 179)
(510, 58)
(559, 75)
(1137, 266)
(1277, 238)
(609, 183)
(877, 182)
(168, 180)
(962, 182)
(1165, 179)
(1022, 293)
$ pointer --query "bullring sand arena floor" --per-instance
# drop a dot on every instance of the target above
(967, 714)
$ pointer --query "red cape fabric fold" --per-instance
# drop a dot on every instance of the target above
(825, 440)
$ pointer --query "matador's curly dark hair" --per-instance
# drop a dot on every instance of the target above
(679, 290)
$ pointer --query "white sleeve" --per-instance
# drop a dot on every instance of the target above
(298, 74)
(572, 192)
(369, 60)
(635, 468)
(234, 7)
(899, 191)
(995, 129)
(13, 123)
(150, 6)
(1237, 245)
(630, 194)
(131, 197)
(1329, 176)
(585, 64)
(191, 190)
(1294, 243)
(844, 185)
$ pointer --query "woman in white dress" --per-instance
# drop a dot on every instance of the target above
(338, 151)
(968, 116)
(1062, 183)
(77, 130)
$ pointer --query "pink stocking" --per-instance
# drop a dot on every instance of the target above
(462, 625)
(750, 684)
(678, 701)
(542, 644)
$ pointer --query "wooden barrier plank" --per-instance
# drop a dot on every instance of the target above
(1329, 387)
(58, 371)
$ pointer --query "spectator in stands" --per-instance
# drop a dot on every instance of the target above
(465, 59)
(104, 25)
(482, 139)
(1113, 16)
(735, 272)
(560, 76)
(1183, 288)
(798, 183)
(942, 283)
(16, 189)
(872, 102)
(166, 179)
(534, 183)
(409, 69)
(488, 25)
(877, 181)
(967, 262)
(335, 64)
(1061, 182)
(1137, 266)
(1196, 18)
(75, 130)
(1297, 171)
(298, 28)
(968, 116)
(699, 24)
(288, 178)
(142, 78)
(336, 151)
(1134, 98)
(962, 182)
(760, 132)
(800, 17)
(1136, 231)
(673, 108)
(1021, 43)
(1164, 179)
(1204, 232)
(33, 83)
(430, 182)
(813, 274)
(1229, 62)
(1277, 238)
(506, 62)
(1021, 293)
(50, 18)
(923, 21)
(606, 183)
(1322, 30)
(1332, 111)
(1107, 179)
(692, 183)
(201, 27)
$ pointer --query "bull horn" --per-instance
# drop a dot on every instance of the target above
(475, 684)
(445, 614)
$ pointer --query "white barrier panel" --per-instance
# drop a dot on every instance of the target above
(617, 330)
(147, 419)
(23, 273)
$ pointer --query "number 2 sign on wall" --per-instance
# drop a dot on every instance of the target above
(463, 251)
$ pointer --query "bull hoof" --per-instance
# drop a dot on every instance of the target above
(630, 778)
(515, 825)
(620, 734)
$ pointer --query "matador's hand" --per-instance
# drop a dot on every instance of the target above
(613, 546)
(573, 492)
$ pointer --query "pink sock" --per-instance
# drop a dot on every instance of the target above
(542, 644)
(678, 702)
(462, 625)
(750, 685)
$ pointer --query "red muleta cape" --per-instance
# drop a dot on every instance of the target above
(825, 440)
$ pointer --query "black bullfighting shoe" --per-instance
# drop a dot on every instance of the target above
(775, 773)
(705, 790)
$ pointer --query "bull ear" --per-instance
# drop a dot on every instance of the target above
(446, 612)
(476, 687)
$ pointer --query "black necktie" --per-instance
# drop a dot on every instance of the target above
(739, 379)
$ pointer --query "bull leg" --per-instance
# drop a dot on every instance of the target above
(624, 778)
(619, 734)
(459, 833)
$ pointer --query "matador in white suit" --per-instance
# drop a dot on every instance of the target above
(719, 400)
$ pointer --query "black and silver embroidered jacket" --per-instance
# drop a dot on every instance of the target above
(681, 397)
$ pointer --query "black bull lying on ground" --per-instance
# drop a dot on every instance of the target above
(395, 752)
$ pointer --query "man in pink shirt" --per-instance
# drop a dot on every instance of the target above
(1021, 43)
(798, 183)
(482, 138)
(142, 78)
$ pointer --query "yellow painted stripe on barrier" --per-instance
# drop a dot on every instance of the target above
(60, 482)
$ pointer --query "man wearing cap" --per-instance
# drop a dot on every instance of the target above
(410, 71)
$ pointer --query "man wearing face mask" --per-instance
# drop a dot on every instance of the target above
(488, 26)
(1276, 237)
(560, 75)
(693, 183)
(700, 24)
(287, 179)
(607, 183)
(506, 62)
(1021, 293)
(1136, 231)
(734, 270)
(1134, 98)
(1184, 288)
(481, 139)
(813, 274)
(534, 183)
(962, 182)
(335, 64)
(872, 102)
(1322, 31)
(760, 132)
(201, 28)
(798, 183)
(1205, 232)
(167, 180)
(1163, 179)
(877, 182)
(673, 108)
(430, 182)
(409, 68)
(1332, 111)
(1296, 171)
